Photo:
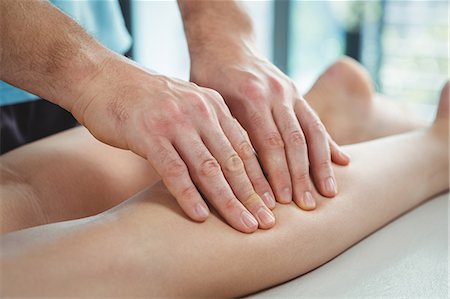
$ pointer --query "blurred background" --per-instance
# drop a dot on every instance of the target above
(403, 44)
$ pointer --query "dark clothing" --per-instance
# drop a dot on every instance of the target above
(26, 122)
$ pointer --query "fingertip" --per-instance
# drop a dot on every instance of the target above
(201, 212)
(329, 187)
(285, 196)
(345, 157)
(265, 218)
(269, 200)
(249, 222)
(306, 201)
(338, 155)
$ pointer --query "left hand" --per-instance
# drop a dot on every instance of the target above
(286, 133)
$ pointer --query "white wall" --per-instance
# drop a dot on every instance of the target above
(159, 41)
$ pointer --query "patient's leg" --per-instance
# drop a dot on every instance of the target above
(92, 177)
(345, 100)
(147, 247)
(66, 176)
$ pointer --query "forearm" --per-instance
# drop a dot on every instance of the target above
(216, 24)
(147, 246)
(47, 53)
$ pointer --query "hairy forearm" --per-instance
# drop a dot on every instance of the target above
(215, 24)
(148, 247)
(45, 52)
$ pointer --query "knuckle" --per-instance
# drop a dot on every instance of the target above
(323, 166)
(188, 193)
(279, 176)
(171, 107)
(259, 181)
(301, 179)
(293, 86)
(175, 168)
(252, 89)
(219, 103)
(172, 114)
(296, 137)
(251, 200)
(257, 119)
(246, 151)
(276, 85)
(230, 203)
(273, 139)
(210, 167)
(198, 103)
(317, 127)
(215, 95)
(234, 164)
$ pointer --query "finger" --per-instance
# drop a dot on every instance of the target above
(208, 177)
(318, 149)
(338, 156)
(297, 156)
(235, 134)
(236, 175)
(270, 149)
(174, 173)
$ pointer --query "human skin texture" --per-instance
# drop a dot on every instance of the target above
(288, 136)
(147, 247)
(87, 176)
(186, 132)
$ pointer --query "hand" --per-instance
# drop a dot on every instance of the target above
(288, 136)
(187, 134)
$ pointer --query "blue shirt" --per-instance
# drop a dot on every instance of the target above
(102, 19)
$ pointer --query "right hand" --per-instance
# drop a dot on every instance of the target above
(188, 135)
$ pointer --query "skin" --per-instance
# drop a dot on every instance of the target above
(287, 134)
(186, 132)
(41, 201)
(355, 113)
(150, 248)
(126, 106)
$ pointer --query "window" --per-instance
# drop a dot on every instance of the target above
(403, 44)
(159, 41)
(414, 50)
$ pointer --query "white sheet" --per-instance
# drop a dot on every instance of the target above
(407, 258)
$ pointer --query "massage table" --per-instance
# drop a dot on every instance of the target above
(407, 258)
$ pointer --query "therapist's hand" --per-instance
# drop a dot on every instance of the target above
(288, 136)
(187, 134)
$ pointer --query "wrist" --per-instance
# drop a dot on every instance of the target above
(213, 25)
(79, 73)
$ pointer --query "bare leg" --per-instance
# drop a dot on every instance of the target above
(147, 247)
(345, 100)
(66, 176)
(342, 96)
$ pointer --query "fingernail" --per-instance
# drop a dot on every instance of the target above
(330, 186)
(201, 210)
(308, 200)
(249, 220)
(265, 217)
(269, 200)
(287, 195)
